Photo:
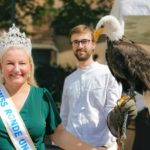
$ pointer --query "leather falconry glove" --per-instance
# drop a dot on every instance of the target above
(115, 118)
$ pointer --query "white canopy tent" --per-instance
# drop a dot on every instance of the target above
(122, 8)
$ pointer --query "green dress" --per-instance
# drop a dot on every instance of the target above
(39, 115)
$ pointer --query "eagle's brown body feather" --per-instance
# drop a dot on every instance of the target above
(130, 64)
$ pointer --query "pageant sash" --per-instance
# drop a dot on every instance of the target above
(13, 122)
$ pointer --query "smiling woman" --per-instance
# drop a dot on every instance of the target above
(16, 67)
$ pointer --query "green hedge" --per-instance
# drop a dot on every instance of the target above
(52, 78)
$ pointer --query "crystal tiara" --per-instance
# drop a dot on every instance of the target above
(14, 38)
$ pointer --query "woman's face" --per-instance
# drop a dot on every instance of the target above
(15, 67)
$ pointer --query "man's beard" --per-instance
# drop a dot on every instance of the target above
(80, 57)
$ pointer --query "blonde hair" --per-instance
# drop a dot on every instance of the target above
(82, 29)
(31, 79)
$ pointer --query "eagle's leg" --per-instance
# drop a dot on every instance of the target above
(126, 96)
(131, 92)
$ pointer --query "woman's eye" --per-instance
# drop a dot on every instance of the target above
(9, 63)
(22, 63)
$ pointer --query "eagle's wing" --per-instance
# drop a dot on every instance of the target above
(129, 63)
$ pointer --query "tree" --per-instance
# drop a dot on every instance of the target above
(76, 12)
(24, 12)
(52, 78)
(35, 12)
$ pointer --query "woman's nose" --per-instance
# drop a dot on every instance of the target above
(16, 67)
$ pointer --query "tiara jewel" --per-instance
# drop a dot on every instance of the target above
(14, 38)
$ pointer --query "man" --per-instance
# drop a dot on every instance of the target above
(89, 93)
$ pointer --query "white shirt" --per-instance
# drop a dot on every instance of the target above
(89, 94)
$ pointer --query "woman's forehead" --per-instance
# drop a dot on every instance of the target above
(15, 53)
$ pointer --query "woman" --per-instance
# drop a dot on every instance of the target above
(27, 112)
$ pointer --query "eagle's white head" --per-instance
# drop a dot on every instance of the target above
(110, 26)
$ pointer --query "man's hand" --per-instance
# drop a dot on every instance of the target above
(115, 118)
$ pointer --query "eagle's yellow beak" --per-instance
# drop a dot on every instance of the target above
(97, 33)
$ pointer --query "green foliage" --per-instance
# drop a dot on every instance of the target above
(5, 13)
(76, 12)
(16, 11)
(52, 78)
(38, 14)
(72, 12)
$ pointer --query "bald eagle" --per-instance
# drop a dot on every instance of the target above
(128, 62)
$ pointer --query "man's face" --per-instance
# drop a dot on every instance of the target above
(82, 45)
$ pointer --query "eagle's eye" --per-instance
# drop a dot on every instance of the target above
(102, 26)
